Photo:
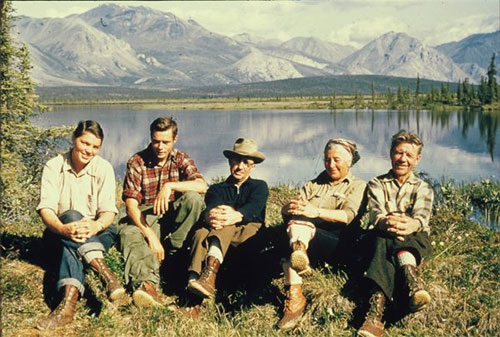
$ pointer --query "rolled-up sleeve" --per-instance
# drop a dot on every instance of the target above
(49, 190)
(253, 207)
(354, 200)
(376, 201)
(107, 191)
(422, 209)
(188, 169)
(133, 180)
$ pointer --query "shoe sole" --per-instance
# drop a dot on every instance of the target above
(419, 301)
(299, 261)
(143, 299)
(291, 324)
(364, 333)
(117, 294)
(197, 289)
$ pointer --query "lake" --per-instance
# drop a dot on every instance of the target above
(463, 146)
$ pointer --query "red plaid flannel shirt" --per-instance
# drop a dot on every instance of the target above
(142, 179)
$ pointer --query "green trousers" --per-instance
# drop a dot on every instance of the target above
(172, 228)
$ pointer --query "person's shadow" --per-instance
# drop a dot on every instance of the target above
(44, 252)
(245, 278)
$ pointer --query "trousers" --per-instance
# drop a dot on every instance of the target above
(73, 255)
(172, 228)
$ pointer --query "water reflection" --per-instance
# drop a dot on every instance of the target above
(460, 145)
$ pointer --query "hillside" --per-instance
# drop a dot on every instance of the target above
(462, 276)
(309, 86)
(137, 46)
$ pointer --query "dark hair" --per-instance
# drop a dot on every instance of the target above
(163, 124)
(404, 136)
(89, 126)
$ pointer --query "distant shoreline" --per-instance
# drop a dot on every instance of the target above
(268, 103)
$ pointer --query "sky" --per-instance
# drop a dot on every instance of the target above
(347, 22)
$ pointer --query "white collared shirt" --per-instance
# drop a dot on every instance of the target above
(90, 192)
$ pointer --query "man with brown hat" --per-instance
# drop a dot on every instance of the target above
(235, 211)
(322, 221)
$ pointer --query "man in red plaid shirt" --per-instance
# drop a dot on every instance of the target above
(161, 191)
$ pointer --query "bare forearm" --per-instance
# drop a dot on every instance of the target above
(51, 220)
(197, 185)
(105, 218)
(135, 215)
(332, 215)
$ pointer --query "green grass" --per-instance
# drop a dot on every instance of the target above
(462, 277)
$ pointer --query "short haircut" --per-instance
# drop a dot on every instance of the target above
(89, 126)
(164, 124)
(404, 136)
(344, 153)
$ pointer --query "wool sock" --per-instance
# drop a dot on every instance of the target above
(89, 256)
(406, 258)
(215, 250)
(300, 233)
(291, 276)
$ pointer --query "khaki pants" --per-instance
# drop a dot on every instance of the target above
(230, 235)
(172, 228)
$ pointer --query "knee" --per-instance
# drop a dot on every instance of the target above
(129, 234)
(192, 200)
(70, 216)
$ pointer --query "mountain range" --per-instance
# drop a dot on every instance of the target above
(124, 46)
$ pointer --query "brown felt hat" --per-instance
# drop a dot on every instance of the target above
(244, 147)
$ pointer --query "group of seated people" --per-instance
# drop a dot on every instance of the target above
(169, 207)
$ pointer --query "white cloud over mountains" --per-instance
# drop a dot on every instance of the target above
(345, 22)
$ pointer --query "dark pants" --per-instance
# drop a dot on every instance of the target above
(73, 254)
(382, 262)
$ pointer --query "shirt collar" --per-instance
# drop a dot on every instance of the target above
(231, 181)
(390, 176)
(88, 169)
(325, 178)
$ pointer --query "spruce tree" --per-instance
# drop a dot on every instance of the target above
(417, 90)
(24, 146)
(492, 95)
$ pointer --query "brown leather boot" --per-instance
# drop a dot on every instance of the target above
(295, 303)
(204, 286)
(192, 307)
(147, 296)
(113, 285)
(418, 296)
(64, 312)
(299, 259)
(373, 325)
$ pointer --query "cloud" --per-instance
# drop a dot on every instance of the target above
(459, 28)
(362, 31)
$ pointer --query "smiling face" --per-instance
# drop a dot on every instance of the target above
(337, 163)
(404, 157)
(240, 168)
(162, 143)
(85, 148)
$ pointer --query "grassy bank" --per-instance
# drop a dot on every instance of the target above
(462, 277)
(318, 102)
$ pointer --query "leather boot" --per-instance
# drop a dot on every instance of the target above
(147, 296)
(204, 286)
(418, 296)
(295, 303)
(191, 307)
(299, 259)
(373, 325)
(64, 312)
(113, 285)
